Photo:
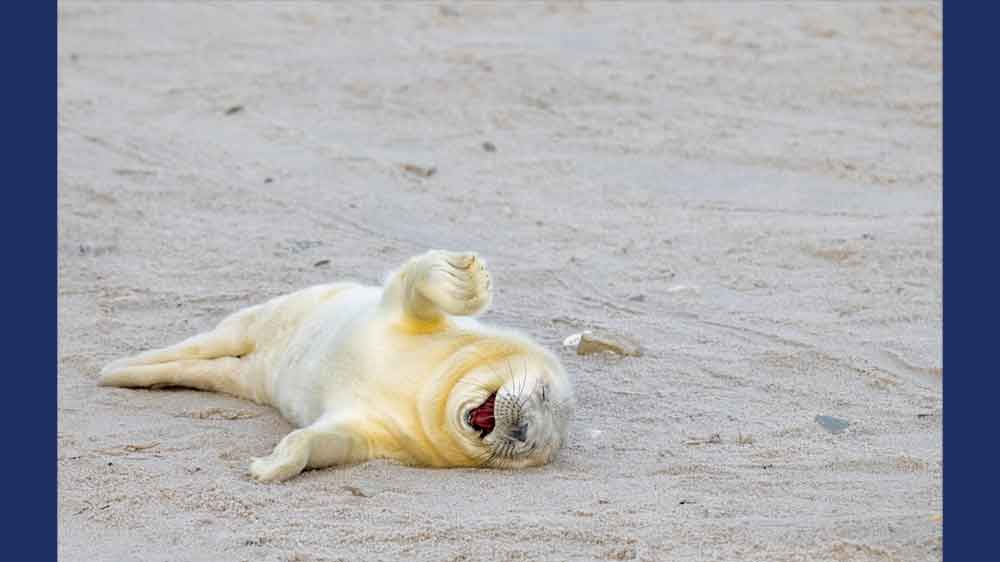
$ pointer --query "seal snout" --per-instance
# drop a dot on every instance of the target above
(481, 418)
(519, 432)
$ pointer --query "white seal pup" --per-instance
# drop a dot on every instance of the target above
(401, 371)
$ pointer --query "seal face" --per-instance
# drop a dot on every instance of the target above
(401, 371)
(522, 422)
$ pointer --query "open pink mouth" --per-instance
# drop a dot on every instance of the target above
(481, 418)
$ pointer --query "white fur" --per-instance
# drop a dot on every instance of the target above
(369, 372)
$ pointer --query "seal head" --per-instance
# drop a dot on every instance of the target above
(513, 413)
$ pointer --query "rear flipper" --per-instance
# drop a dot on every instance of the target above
(231, 338)
(208, 361)
(223, 374)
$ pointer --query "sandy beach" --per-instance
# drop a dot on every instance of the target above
(751, 191)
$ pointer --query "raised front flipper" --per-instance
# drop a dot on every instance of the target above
(435, 284)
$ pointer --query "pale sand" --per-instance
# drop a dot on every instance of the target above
(751, 191)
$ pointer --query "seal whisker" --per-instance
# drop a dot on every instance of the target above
(510, 374)
(518, 385)
(524, 380)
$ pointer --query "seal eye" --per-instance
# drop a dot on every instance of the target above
(545, 393)
(481, 418)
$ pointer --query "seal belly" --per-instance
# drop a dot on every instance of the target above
(320, 358)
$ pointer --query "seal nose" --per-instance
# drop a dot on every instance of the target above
(519, 432)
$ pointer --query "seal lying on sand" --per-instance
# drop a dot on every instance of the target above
(400, 371)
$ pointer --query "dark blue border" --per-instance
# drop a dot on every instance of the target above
(30, 235)
(970, 286)
(28, 327)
